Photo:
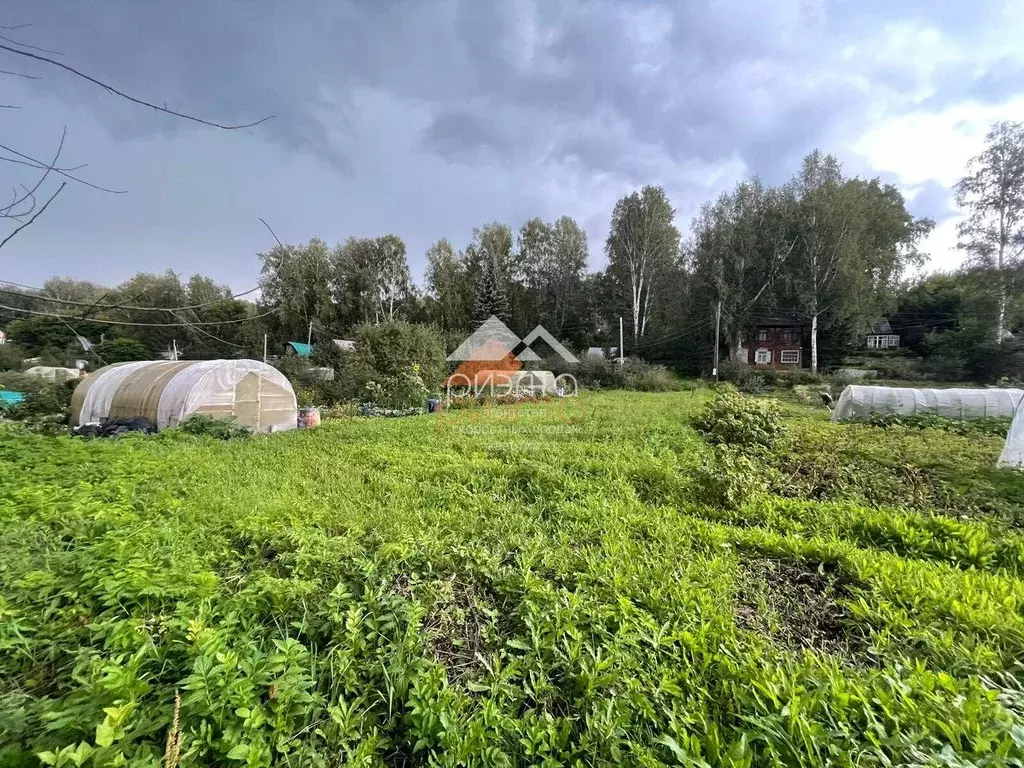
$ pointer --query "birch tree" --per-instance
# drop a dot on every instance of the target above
(822, 225)
(642, 246)
(993, 194)
(392, 284)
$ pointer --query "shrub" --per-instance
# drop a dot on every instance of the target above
(406, 389)
(42, 397)
(207, 426)
(591, 372)
(730, 479)
(11, 355)
(642, 377)
(732, 419)
(387, 354)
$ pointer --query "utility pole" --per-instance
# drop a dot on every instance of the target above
(174, 347)
(309, 337)
(622, 359)
(264, 349)
(718, 330)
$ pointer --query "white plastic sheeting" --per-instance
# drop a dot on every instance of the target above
(1013, 450)
(53, 373)
(860, 403)
(167, 392)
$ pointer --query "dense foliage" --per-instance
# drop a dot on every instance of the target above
(536, 584)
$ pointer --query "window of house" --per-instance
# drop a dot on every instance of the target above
(883, 342)
(762, 335)
(763, 357)
(790, 356)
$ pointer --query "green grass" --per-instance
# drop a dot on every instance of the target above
(515, 587)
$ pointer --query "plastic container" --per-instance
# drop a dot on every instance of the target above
(309, 418)
(433, 406)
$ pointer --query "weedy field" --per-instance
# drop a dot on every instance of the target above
(629, 579)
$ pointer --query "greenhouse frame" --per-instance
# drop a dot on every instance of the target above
(166, 393)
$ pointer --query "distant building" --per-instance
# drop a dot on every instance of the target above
(773, 342)
(882, 337)
(602, 352)
(3, 337)
(346, 345)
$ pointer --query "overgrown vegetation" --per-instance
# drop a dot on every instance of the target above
(512, 586)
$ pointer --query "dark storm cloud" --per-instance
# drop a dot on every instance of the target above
(427, 118)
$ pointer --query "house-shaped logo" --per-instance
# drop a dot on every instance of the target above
(488, 360)
(495, 342)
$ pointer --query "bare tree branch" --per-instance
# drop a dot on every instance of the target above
(272, 232)
(33, 47)
(65, 172)
(19, 74)
(35, 216)
(29, 195)
(123, 95)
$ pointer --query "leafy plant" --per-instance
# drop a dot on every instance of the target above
(207, 426)
(732, 419)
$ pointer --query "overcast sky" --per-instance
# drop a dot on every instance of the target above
(426, 119)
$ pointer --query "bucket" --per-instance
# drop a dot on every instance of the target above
(309, 418)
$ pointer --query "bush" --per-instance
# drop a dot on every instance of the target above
(11, 355)
(641, 377)
(207, 426)
(42, 397)
(387, 354)
(730, 479)
(590, 372)
(732, 419)
(404, 390)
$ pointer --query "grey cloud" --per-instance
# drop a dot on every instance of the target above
(429, 117)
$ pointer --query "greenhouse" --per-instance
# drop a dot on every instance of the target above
(861, 403)
(254, 394)
(1013, 450)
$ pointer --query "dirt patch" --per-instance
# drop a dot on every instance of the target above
(794, 604)
(460, 627)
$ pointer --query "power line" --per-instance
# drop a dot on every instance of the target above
(92, 305)
(143, 325)
(207, 333)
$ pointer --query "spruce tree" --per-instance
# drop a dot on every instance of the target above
(491, 295)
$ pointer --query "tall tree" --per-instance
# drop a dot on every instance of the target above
(390, 273)
(822, 227)
(297, 281)
(448, 287)
(355, 292)
(565, 276)
(642, 246)
(992, 191)
(491, 296)
(738, 247)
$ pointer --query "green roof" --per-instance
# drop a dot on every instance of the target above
(302, 350)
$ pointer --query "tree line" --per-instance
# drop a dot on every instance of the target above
(828, 248)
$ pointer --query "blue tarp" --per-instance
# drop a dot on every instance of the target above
(302, 350)
(8, 398)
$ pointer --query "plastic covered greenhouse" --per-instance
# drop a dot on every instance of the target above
(860, 403)
(1013, 450)
(252, 393)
